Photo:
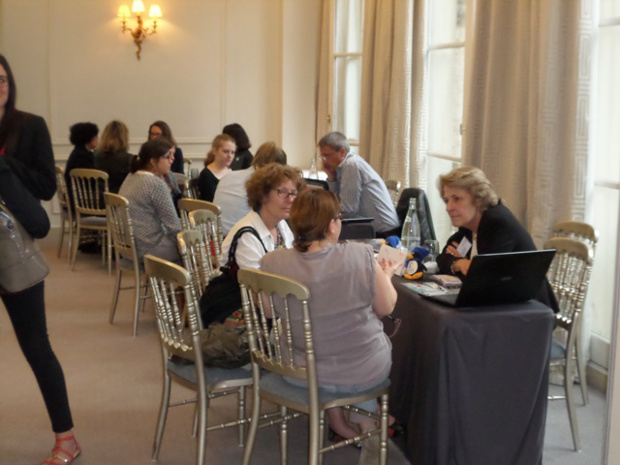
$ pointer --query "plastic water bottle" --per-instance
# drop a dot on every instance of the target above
(410, 237)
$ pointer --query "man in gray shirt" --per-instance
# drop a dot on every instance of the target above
(361, 190)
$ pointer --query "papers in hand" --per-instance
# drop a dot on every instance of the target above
(397, 256)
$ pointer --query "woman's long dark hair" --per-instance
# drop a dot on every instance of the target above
(12, 119)
(152, 149)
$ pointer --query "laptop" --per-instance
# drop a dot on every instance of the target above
(500, 278)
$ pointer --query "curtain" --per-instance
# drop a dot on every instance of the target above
(386, 105)
(323, 105)
(526, 120)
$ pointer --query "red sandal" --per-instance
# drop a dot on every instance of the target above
(60, 456)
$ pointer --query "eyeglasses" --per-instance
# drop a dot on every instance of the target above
(284, 194)
(327, 155)
(4, 81)
(338, 217)
(168, 156)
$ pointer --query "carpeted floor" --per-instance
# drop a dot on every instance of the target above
(114, 383)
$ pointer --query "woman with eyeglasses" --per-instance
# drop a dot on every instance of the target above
(217, 165)
(27, 176)
(153, 216)
(161, 129)
(271, 191)
(349, 294)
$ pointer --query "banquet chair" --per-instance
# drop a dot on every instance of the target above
(181, 181)
(272, 361)
(188, 205)
(180, 339)
(585, 233)
(569, 275)
(191, 189)
(187, 167)
(125, 253)
(67, 223)
(207, 222)
(90, 213)
(393, 187)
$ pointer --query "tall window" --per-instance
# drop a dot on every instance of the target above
(347, 67)
(445, 65)
(606, 205)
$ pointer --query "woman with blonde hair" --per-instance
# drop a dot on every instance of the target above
(350, 293)
(217, 165)
(112, 155)
(485, 225)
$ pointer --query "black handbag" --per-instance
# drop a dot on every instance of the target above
(222, 296)
(22, 264)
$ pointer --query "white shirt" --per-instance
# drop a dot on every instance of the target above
(232, 198)
(249, 251)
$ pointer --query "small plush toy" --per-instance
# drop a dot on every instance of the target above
(414, 268)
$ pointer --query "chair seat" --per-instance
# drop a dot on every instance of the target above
(214, 375)
(276, 386)
(100, 221)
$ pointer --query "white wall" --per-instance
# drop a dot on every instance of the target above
(211, 62)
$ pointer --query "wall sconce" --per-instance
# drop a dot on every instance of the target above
(140, 32)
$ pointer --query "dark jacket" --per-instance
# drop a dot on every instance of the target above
(27, 175)
(243, 160)
(80, 157)
(498, 232)
(117, 166)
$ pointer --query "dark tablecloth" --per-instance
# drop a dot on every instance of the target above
(471, 384)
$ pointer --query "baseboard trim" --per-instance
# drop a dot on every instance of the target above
(597, 376)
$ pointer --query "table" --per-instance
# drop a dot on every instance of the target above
(469, 385)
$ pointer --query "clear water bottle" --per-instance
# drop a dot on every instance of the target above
(410, 237)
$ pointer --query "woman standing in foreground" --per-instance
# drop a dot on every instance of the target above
(26, 176)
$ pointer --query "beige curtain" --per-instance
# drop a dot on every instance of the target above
(385, 139)
(323, 105)
(526, 119)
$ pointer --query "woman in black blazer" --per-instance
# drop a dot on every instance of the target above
(27, 175)
(485, 225)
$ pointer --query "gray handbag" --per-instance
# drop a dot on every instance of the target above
(22, 264)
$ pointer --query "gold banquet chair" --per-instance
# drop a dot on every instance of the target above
(569, 275)
(125, 253)
(272, 361)
(208, 223)
(189, 205)
(67, 223)
(182, 355)
(88, 188)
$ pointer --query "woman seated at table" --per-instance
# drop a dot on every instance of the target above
(161, 129)
(154, 219)
(485, 225)
(350, 292)
(217, 165)
(271, 191)
(111, 156)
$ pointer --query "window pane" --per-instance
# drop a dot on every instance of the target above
(609, 9)
(447, 21)
(441, 220)
(347, 94)
(608, 106)
(349, 25)
(602, 282)
(446, 82)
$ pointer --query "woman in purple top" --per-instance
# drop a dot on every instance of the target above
(349, 295)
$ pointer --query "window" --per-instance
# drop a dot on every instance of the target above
(347, 67)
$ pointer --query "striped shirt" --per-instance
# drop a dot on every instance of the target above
(363, 193)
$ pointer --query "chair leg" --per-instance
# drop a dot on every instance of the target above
(71, 238)
(570, 402)
(62, 236)
(75, 245)
(321, 434)
(241, 413)
(384, 430)
(136, 309)
(284, 438)
(163, 415)
(202, 406)
(251, 437)
(581, 370)
(109, 249)
(119, 278)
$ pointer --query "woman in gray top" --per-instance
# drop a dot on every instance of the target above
(153, 216)
(349, 295)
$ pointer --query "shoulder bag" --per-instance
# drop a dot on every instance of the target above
(22, 264)
(222, 296)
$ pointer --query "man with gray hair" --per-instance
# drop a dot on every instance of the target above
(361, 190)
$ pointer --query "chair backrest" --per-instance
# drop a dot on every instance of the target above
(393, 187)
(207, 223)
(188, 205)
(181, 180)
(119, 223)
(192, 189)
(427, 230)
(63, 194)
(172, 289)
(88, 188)
(290, 298)
(187, 168)
(577, 230)
(196, 259)
(569, 276)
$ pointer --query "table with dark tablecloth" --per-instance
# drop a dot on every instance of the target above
(470, 385)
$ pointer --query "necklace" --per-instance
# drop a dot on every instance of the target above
(279, 241)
